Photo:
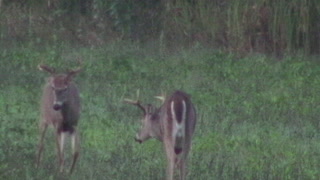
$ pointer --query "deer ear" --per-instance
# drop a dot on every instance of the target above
(46, 68)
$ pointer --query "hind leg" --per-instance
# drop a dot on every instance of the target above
(182, 169)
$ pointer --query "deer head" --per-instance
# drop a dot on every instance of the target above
(59, 84)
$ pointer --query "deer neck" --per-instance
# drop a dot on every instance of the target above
(157, 128)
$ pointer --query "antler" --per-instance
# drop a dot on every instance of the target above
(136, 103)
(161, 97)
(73, 72)
(43, 67)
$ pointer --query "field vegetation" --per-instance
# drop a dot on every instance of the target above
(257, 117)
(257, 104)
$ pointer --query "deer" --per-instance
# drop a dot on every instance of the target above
(173, 123)
(60, 108)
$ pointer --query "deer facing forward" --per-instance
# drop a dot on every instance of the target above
(60, 108)
(173, 124)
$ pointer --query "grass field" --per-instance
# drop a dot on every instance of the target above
(257, 116)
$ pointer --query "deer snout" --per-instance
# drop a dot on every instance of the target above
(137, 139)
(57, 106)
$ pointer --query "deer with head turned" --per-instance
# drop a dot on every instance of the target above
(173, 124)
(60, 108)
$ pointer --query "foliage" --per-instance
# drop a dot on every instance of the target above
(241, 26)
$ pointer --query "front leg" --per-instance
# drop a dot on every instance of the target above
(43, 129)
(60, 139)
(75, 140)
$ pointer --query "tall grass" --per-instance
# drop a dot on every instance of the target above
(276, 27)
(241, 26)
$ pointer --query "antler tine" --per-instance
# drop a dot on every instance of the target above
(72, 72)
(80, 62)
(43, 67)
(79, 68)
(162, 97)
(136, 103)
(76, 70)
(40, 67)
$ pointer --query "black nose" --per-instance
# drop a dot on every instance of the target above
(138, 140)
(56, 107)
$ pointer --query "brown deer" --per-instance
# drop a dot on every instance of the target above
(60, 107)
(173, 124)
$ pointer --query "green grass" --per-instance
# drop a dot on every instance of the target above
(257, 117)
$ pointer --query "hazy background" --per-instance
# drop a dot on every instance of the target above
(251, 68)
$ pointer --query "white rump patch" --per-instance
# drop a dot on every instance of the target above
(178, 128)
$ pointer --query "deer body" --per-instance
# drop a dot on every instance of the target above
(173, 124)
(60, 108)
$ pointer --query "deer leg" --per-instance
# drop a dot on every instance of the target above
(170, 160)
(75, 145)
(182, 168)
(60, 146)
(171, 167)
(43, 129)
(184, 160)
